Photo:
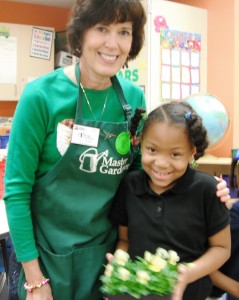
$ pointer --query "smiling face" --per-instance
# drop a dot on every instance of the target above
(104, 50)
(166, 152)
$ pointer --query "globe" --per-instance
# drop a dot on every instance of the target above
(213, 113)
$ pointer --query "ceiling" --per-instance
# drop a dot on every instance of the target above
(58, 3)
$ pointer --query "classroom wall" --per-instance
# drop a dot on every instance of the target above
(28, 14)
(222, 52)
(222, 57)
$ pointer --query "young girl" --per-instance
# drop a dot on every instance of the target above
(168, 204)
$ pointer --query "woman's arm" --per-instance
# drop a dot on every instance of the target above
(34, 276)
(217, 253)
(21, 166)
(226, 283)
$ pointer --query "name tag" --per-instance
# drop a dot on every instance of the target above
(86, 136)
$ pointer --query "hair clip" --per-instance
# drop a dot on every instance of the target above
(144, 116)
(188, 115)
(194, 164)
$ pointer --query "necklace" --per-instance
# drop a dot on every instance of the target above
(88, 102)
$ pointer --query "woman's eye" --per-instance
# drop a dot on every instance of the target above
(125, 33)
(101, 29)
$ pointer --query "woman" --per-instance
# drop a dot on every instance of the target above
(63, 189)
(68, 153)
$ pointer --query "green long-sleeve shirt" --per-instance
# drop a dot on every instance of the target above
(33, 150)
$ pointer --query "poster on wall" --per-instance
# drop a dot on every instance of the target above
(41, 43)
(8, 60)
(136, 70)
(180, 61)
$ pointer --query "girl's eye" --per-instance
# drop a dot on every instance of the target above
(176, 154)
(151, 150)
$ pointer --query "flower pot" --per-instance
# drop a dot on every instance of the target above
(128, 297)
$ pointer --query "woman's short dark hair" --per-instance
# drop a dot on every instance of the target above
(87, 13)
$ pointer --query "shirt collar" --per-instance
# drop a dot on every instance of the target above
(142, 186)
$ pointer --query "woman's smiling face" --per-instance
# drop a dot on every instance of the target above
(166, 152)
(105, 49)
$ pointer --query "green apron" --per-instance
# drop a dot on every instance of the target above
(70, 207)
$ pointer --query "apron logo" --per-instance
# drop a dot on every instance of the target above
(89, 161)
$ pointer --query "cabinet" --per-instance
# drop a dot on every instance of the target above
(27, 67)
(220, 166)
(214, 165)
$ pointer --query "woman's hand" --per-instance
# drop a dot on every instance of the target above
(34, 276)
(223, 191)
(109, 257)
(43, 293)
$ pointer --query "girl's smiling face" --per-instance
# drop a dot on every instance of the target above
(166, 152)
(105, 49)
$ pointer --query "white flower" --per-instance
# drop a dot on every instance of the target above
(148, 256)
(142, 276)
(123, 274)
(157, 264)
(162, 252)
(108, 270)
(173, 257)
(121, 257)
(151, 274)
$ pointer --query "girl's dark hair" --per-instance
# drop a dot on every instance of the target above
(135, 120)
(87, 13)
(181, 114)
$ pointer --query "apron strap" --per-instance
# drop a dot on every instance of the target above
(77, 73)
(126, 107)
(118, 89)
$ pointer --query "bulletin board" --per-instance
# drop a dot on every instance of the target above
(177, 57)
(180, 64)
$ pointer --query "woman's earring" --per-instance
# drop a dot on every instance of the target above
(79, 51)
(125, 65)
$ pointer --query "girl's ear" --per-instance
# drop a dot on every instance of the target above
(192, 161)
(193, 152)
